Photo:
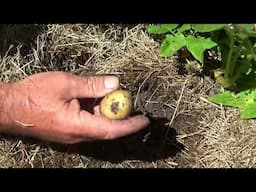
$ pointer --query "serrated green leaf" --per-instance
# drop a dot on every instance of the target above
(208, 27)
(161, 29)
(172, 44)
(197, 46)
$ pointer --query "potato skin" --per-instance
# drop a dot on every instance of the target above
(116, 105)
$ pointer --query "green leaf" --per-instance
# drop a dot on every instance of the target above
(245, 101)
(247, 27)
(227, 98)
(172, 44)
(184, 28)
(161, 29)
(197, 46)
(248, 111)
(208, 27)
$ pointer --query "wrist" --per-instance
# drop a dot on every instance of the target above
(5, 98)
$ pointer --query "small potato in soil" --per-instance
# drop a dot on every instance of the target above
(117, 105)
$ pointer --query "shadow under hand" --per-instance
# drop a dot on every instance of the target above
(88, 104)
(149, 144)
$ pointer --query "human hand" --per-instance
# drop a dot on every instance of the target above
(46, 106)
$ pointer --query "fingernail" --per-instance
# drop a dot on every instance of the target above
(111, 82)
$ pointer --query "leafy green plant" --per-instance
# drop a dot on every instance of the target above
(236, 45)
(180, 36)
(245, 101)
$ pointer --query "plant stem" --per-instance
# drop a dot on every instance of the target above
(228, 64)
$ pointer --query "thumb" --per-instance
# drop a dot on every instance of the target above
(92, 86)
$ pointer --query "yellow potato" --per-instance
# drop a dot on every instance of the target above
(117, 105)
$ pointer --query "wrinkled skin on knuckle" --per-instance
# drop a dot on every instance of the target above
(92, 85)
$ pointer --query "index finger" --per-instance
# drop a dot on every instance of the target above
(99, 127)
